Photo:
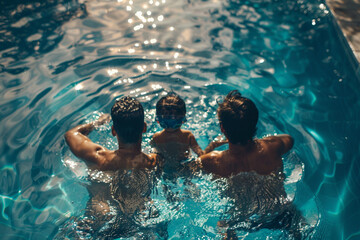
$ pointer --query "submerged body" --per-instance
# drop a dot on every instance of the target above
(253, 171)
(173, 143)
(116, 198)
(257, 202)
(254, 182)
(119, 206)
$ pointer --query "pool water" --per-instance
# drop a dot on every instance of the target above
(65, 62)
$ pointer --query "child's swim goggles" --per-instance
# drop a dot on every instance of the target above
(172, 122)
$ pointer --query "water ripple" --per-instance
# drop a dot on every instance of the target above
(61, 61)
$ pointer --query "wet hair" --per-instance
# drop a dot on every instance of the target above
(238, 116)
(171, 104)
(128, 119)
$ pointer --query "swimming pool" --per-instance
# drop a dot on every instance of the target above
(63, 62)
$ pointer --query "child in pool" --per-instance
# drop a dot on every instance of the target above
(174, 143)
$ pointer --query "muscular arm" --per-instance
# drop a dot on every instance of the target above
(287, 142)
(209, 162)
(81, 146)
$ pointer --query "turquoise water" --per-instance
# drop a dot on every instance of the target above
(64, 62)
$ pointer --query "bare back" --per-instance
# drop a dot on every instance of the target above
(175, 145)
(128, 156)
(116, 160)
(262, 156)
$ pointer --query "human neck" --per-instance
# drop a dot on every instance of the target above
(134, 148)
(171, 130)
(237, 148)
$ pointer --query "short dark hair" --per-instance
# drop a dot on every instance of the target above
(128, 119)
(171, 104)
(238, 116)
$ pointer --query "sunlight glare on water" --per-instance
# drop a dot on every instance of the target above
(64, 62)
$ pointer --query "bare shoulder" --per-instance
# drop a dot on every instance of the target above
(210, 158)
(189, 135)
(282, 142)
(270, 140)
(157, 137)
(105, 158)
(186, 132)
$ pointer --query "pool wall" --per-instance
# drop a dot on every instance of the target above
(338, 192)
(347, 22)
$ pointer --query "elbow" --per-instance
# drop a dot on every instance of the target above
(288, 143)
(67, 136)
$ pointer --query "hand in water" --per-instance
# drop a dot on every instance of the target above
(220, 139)
(217, 142)
(103, 119)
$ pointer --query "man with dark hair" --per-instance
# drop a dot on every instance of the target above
(128, 125)
(253, 169)
(238, 117)
(126, 175)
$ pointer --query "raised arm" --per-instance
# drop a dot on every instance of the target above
(81, 146)
(217, 142)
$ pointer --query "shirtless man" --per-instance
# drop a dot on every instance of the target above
(238, 117)
(260, 160)
(128, 126)
(127, 192)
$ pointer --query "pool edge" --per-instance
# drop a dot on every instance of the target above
(347, 24)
